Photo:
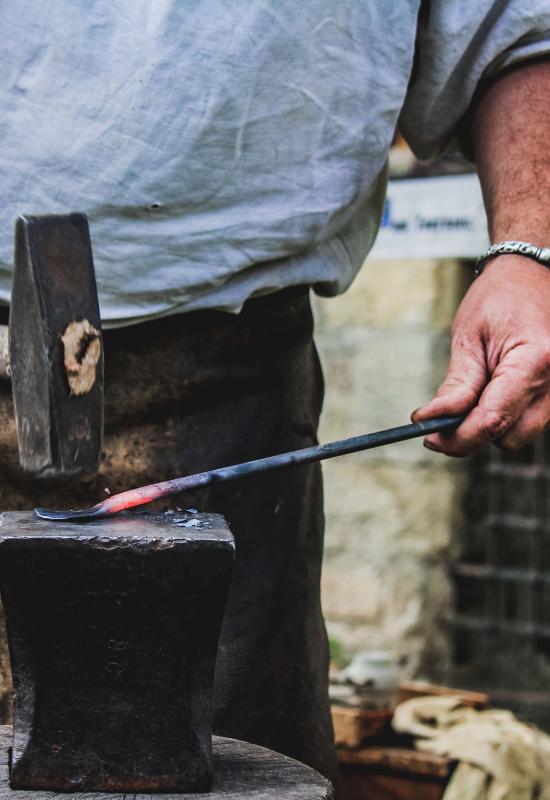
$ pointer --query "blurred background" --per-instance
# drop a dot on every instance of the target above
(443, 565)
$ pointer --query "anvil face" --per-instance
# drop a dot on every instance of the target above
(113, 628)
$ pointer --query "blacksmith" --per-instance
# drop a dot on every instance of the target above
(231, 156)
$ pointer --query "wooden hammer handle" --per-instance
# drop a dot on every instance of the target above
(5, 370)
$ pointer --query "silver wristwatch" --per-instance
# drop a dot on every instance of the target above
(540, 254)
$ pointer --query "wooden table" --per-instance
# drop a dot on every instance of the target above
(392, 773)
(241, 770)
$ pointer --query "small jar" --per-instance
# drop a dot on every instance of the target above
(375, 676)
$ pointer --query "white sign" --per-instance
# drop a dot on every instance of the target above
(433, 218)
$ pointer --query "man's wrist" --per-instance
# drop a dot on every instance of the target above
(513, 268)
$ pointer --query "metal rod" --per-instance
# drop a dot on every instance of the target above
(146, 494)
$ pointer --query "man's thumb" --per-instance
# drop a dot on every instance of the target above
(464, 382)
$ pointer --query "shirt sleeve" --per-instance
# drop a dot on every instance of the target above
(461, 43)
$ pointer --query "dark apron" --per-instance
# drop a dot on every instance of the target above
(202, 390)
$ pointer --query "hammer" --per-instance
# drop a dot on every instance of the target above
(54, 351)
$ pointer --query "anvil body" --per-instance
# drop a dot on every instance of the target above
(113, 630)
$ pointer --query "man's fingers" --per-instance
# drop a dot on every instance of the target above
(531, 424)
(479, 428)
(500, 407)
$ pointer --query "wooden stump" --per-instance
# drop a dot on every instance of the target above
(241, 770)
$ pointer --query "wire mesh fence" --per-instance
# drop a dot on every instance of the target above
(501, 615)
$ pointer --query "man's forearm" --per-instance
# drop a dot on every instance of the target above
(499, 372)
(511, 133)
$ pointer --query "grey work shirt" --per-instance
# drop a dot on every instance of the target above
(228, 148)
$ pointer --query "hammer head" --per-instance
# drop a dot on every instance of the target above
(56, 350)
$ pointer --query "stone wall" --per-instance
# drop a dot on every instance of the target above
(390, 512)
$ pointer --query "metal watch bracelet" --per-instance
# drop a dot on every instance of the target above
(511, 247)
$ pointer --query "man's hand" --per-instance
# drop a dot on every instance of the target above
(500, 355)
(500, 360)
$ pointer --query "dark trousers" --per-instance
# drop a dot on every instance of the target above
(207, 389)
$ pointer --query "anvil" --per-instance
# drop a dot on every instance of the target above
(113, 629)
